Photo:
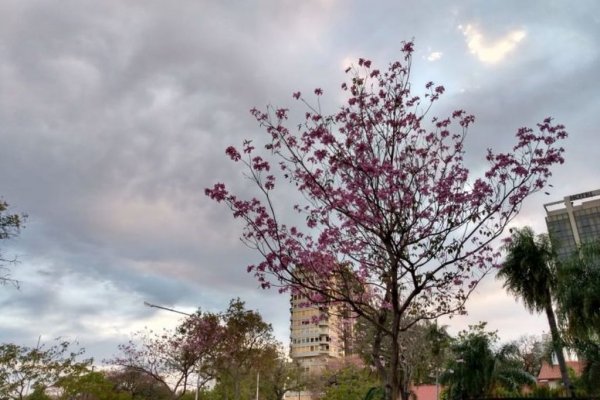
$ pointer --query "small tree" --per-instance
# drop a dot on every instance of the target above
(10, 225)
(392, 213)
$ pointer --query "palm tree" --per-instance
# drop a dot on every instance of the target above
(480, 371)
(529, 272)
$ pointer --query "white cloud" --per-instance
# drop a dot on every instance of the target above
(434, 56)
(491, 52)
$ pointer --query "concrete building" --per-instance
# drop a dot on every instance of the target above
(318, 335)
(573, 221)
(314, 334)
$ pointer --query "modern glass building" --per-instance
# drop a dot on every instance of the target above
(573, 221)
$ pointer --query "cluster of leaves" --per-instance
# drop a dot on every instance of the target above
(391, 210)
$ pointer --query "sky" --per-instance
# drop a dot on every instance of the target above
(114, 117)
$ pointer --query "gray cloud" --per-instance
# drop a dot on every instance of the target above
(114, 117)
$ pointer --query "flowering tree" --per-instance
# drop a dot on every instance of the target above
(171, 358)
(396, 227)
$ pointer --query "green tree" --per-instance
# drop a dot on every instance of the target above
(230, 347)
(532, 350)
(478, 370)
(10, 226)
(24, 368)
(89, 386)
(351, 382)
(173, 357)
(422, 350)
(245, 340)
(529, 272)
(137, 385)
(578, 309)
(578, 293)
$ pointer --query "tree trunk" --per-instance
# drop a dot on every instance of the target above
(558, 350)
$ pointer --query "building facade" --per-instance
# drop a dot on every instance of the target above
(573, 221)
(314, 335)
(318, 335)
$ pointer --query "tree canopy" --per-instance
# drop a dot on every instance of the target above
(392, 214)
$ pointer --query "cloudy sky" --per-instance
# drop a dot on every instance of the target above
(114, 117)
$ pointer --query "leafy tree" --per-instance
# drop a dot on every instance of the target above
(578, 301)
(171, 358)
(479, 370)
(423, 350)
(137, 385)
(230, 347)
(89, 386)
(396, 227)
(245, 342)
(578, 293)
(278, 375)
(529, 272)
(10, 226)
(532, 350)
(24, 368)
(351, 382)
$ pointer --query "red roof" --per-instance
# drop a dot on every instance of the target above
(552, 372)
(425, 392)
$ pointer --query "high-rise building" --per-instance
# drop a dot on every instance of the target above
(315, 334)
(573, 221)
(318, 334)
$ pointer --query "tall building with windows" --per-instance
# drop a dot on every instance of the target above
(573, 221)
(316, 334)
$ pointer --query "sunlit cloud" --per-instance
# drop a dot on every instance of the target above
(490, 53)
(434, 56)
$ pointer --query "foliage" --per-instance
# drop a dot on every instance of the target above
(10, 226)
(532, 350)
(348, 383)
(578, 302)
(170, 358)
(529, 272)
(390, 207)
(423, 350)
(479, 370)
(578, 294)
(24, 368)
(230, 347)
(91, 385)
(247, 339)
(137, 385)
(589, 352)
(278, 375)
